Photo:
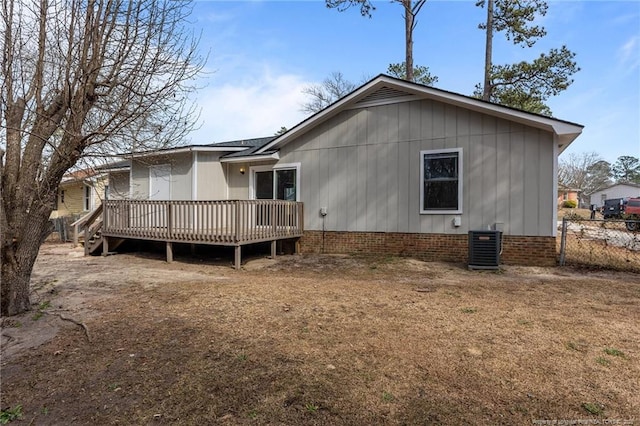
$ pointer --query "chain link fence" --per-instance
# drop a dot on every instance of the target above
(597, 243)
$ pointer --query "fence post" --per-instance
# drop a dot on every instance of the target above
(563, 241)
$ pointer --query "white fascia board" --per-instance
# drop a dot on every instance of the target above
(116, 169)
(186, 149)
(250, 158)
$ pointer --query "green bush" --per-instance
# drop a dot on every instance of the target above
(570, 204)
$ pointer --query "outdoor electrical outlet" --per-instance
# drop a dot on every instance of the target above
(323, 211)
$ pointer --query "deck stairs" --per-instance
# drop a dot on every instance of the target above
(88, 231)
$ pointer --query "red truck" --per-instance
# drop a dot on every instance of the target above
(632, 214)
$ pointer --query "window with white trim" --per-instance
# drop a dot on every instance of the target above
(441, 177)
(87, 198)
(279, 182)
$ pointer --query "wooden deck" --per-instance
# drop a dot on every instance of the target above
(225, 222)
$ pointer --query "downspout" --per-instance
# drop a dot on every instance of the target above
(554, 192)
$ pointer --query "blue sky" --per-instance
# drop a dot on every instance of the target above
(261, 54)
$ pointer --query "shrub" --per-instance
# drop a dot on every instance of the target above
(570, 204)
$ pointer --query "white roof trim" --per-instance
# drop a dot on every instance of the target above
(187, 149)
(249, 158)
(123, 169)
(566, 131)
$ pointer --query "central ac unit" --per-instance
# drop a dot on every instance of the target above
(484, 249)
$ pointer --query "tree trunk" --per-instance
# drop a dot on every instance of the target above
(18, 257)
(488, 53)
(408, 30)
(15, 287)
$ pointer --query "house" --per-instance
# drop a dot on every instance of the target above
(619, 190)
(119, 182)
(394, 167)
(568, 194)
(79, 192)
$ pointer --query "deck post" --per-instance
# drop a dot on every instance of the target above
(273, 249)
(76, 230)
(105, 245)
(85, 229)
(297, 245)
(169, 220)
(169, 252)
(237, 260)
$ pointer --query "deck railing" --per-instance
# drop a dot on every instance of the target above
(225, 222)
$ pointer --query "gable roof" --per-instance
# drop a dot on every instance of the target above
(384, 89)
(79, 175)
(630, 184)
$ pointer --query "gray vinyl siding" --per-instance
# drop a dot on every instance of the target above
(238, 182)
(181, 175)
(211, 180)
(119, 185)
(364, 166)
(139, 180)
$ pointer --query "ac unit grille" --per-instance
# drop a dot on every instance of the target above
(484, 249)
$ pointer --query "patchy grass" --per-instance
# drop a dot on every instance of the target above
(10, 414)
(328, 340)
(613, 352)
(581, 213)
(593, 408)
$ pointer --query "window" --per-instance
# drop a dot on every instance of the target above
(441, 176)
(87, 198)
(62, 196)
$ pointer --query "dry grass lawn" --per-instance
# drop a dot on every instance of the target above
(337, 340)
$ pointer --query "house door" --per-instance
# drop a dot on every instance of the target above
(159, 189)
(263, 186)
(160, 182)
(275, 184)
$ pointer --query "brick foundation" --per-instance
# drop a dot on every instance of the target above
(516, 250)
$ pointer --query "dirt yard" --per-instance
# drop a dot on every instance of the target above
(340, 340)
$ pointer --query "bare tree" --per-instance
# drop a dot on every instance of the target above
(81, 78)
(324, 94)
(586, 172)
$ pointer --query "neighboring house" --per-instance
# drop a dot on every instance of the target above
(394, 167)
(568, 194)
(119, 183)
(619, 190)
(79, 192)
